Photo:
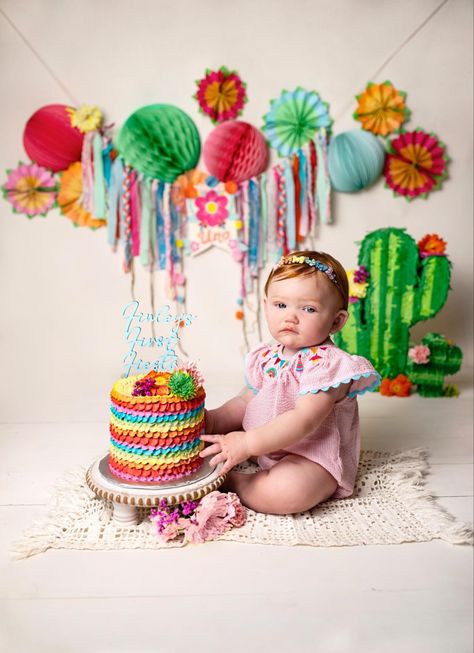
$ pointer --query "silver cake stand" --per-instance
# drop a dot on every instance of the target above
(127, 496)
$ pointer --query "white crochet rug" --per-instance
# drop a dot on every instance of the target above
(390, 505)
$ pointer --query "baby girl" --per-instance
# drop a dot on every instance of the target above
(298, 417)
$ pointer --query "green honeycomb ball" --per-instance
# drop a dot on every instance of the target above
(160, 141)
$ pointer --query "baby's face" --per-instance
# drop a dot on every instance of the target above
(303, 311)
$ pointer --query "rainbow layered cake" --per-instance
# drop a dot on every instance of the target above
(155, 426)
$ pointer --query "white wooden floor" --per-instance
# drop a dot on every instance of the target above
(222, 596)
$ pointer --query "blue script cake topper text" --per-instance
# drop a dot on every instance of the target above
(134, 319)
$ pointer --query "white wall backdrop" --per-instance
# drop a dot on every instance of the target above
(62, 288)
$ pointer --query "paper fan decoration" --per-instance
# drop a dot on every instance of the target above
(381, 108)
(416, 164)
(50, 139)
(294, 118)
(161, 141)
(31, 189)
(221, 94)
(69, 198)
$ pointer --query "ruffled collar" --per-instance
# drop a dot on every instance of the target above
(305, 351)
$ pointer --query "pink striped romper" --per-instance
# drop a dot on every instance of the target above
(278, 382)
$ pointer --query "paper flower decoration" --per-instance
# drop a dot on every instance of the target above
(235, 151)
(400, 386)
(419, 354)
(221, 94)
(50, 140)
(211, 209)
(293, 120)
(161, 141)
(358, 283)
(432, 245)
(69, 198)
(416, 164)
(31, 189)
(86, 118)
(381, 108)
(185, 187)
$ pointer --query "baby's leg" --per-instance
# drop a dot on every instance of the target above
(294, 484)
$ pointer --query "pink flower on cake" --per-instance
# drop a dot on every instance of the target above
(420, 354)
(191, 368)
(211, 209)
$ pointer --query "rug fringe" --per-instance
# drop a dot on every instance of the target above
(410, 481)
(70, 491)
(406, 473)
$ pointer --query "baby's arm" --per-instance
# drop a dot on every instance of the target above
(229, 416)
(293, 425)
(286, 429)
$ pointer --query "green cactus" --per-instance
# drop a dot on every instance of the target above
(445, 358)
(403, 289)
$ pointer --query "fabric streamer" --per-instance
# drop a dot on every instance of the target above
(169, 263)
(303, 223)
(127, 219)
(107, 162)
(323, 185)
(290, 205)
(87, 199)
(135, 213)
(281, 211)
(100, 205)
(115, 191)
(160, 228)
(296, 181)
(254, 226)
(145, 223)
(264, 220)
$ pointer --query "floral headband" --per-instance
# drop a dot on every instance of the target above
(322, 267)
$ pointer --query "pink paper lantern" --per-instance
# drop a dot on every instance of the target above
(235, 151)
(50, 140)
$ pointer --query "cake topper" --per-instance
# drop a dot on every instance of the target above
(134, 320)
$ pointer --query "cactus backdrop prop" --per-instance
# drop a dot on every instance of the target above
(444, 358)
(397, 285)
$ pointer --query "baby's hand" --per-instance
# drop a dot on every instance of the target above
(231, 449)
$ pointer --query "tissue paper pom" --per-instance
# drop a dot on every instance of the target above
(294, 118)
(31, 189)
(355, 160)
(416, 164)
(161, 141)
(50, 140)
(235, 151)
(381, 108)
(69, 198)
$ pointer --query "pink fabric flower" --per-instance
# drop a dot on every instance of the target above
(420, 354)
(216, 514)
(211, 209)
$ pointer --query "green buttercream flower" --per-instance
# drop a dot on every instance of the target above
(182, 385)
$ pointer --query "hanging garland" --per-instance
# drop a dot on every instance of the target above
(159, 208)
